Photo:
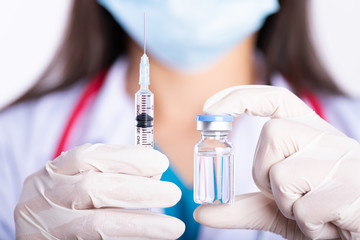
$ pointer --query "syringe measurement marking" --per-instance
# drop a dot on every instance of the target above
(145, 136)
(143, 104)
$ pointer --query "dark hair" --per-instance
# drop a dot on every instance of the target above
(287, 48)
(94, 40)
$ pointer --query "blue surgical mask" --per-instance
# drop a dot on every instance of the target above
(190, 34)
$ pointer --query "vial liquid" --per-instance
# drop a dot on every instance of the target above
(214, 162)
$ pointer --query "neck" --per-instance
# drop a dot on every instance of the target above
(179, 95)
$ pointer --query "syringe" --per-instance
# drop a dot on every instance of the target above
(144, 104)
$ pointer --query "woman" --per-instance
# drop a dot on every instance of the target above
(84, 192)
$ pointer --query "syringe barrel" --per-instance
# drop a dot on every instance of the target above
(144, 110)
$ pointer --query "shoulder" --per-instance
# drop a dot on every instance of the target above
(344, 113)
(341, 111)
(29, 126)
(39, 111)
(33, 128)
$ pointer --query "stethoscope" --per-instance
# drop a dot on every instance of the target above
(92, 89)
(86, 99)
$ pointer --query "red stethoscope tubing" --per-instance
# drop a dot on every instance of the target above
(85, 100)
(92, 89)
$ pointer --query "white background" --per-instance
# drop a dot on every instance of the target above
(336, 35)
(30, 31)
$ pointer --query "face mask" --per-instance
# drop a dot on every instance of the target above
(187, 34)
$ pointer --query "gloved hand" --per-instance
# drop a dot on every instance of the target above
(307, 171)
(91, 192)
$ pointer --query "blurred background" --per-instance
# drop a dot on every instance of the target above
(30, 32)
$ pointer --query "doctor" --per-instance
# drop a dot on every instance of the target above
(306, 183)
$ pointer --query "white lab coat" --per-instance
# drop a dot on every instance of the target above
(29, 134)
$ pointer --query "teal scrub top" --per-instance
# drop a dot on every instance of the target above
(184, 209)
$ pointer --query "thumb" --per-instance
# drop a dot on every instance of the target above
(249, 211)
(264, 101)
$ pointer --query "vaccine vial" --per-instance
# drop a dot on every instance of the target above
(214, 161)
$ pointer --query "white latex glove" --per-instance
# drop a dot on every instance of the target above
(308, 172)
(83, 194)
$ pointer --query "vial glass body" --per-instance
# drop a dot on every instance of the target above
(213, 169)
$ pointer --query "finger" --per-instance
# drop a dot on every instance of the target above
(109, 224)
(282, 160)
(316, 211)
(334, 202)
(97, 190)
(275, 145)
(249, 211)
(131, 159)
(265, 101)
